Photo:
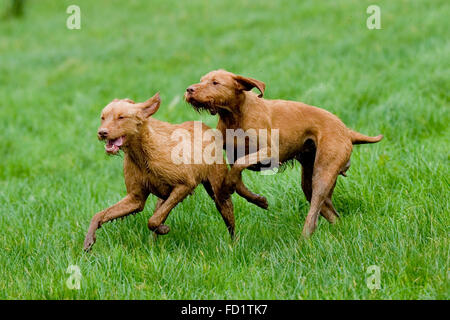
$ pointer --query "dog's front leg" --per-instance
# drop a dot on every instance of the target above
(160, 215)
(234, 175)
(129, 204)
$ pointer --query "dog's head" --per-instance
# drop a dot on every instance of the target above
(220, 89)
(121, 120)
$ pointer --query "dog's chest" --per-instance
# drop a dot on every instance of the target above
(156, 185)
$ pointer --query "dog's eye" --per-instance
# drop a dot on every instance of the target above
(215, 83)
(103, 118)
(121, 117)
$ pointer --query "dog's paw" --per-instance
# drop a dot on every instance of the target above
(89, 242)
(262, 202)
(307, 232)
(162, 229)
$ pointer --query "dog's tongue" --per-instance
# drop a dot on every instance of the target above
(112, 146)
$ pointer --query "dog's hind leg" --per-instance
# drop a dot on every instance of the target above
(225, 208)
(223, 205)
(328, 204)
(177, 195)
(322, 184)
(328, 164)
(327, 210)
(162, 228)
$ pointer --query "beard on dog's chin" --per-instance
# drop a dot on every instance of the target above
(202, 106)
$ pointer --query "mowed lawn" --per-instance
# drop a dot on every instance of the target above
(54, 174)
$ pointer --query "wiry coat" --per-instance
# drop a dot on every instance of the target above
(149, 167)
(318, 139)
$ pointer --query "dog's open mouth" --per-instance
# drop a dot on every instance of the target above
(113, 145)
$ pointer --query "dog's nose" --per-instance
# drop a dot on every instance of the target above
(102, 132)
(190, 89)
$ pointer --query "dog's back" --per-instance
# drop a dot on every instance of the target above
(297, 120)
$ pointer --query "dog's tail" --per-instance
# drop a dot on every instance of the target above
(359, 138)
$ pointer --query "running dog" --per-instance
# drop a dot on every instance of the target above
(149, 167)
(319, 140)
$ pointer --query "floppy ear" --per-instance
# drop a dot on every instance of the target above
(150, 106)
(250, 83)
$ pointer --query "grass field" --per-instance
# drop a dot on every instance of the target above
(54, 174)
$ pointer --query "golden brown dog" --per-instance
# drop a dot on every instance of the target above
(319, 140)
(150, 166)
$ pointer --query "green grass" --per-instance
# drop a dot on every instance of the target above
(54, 175)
